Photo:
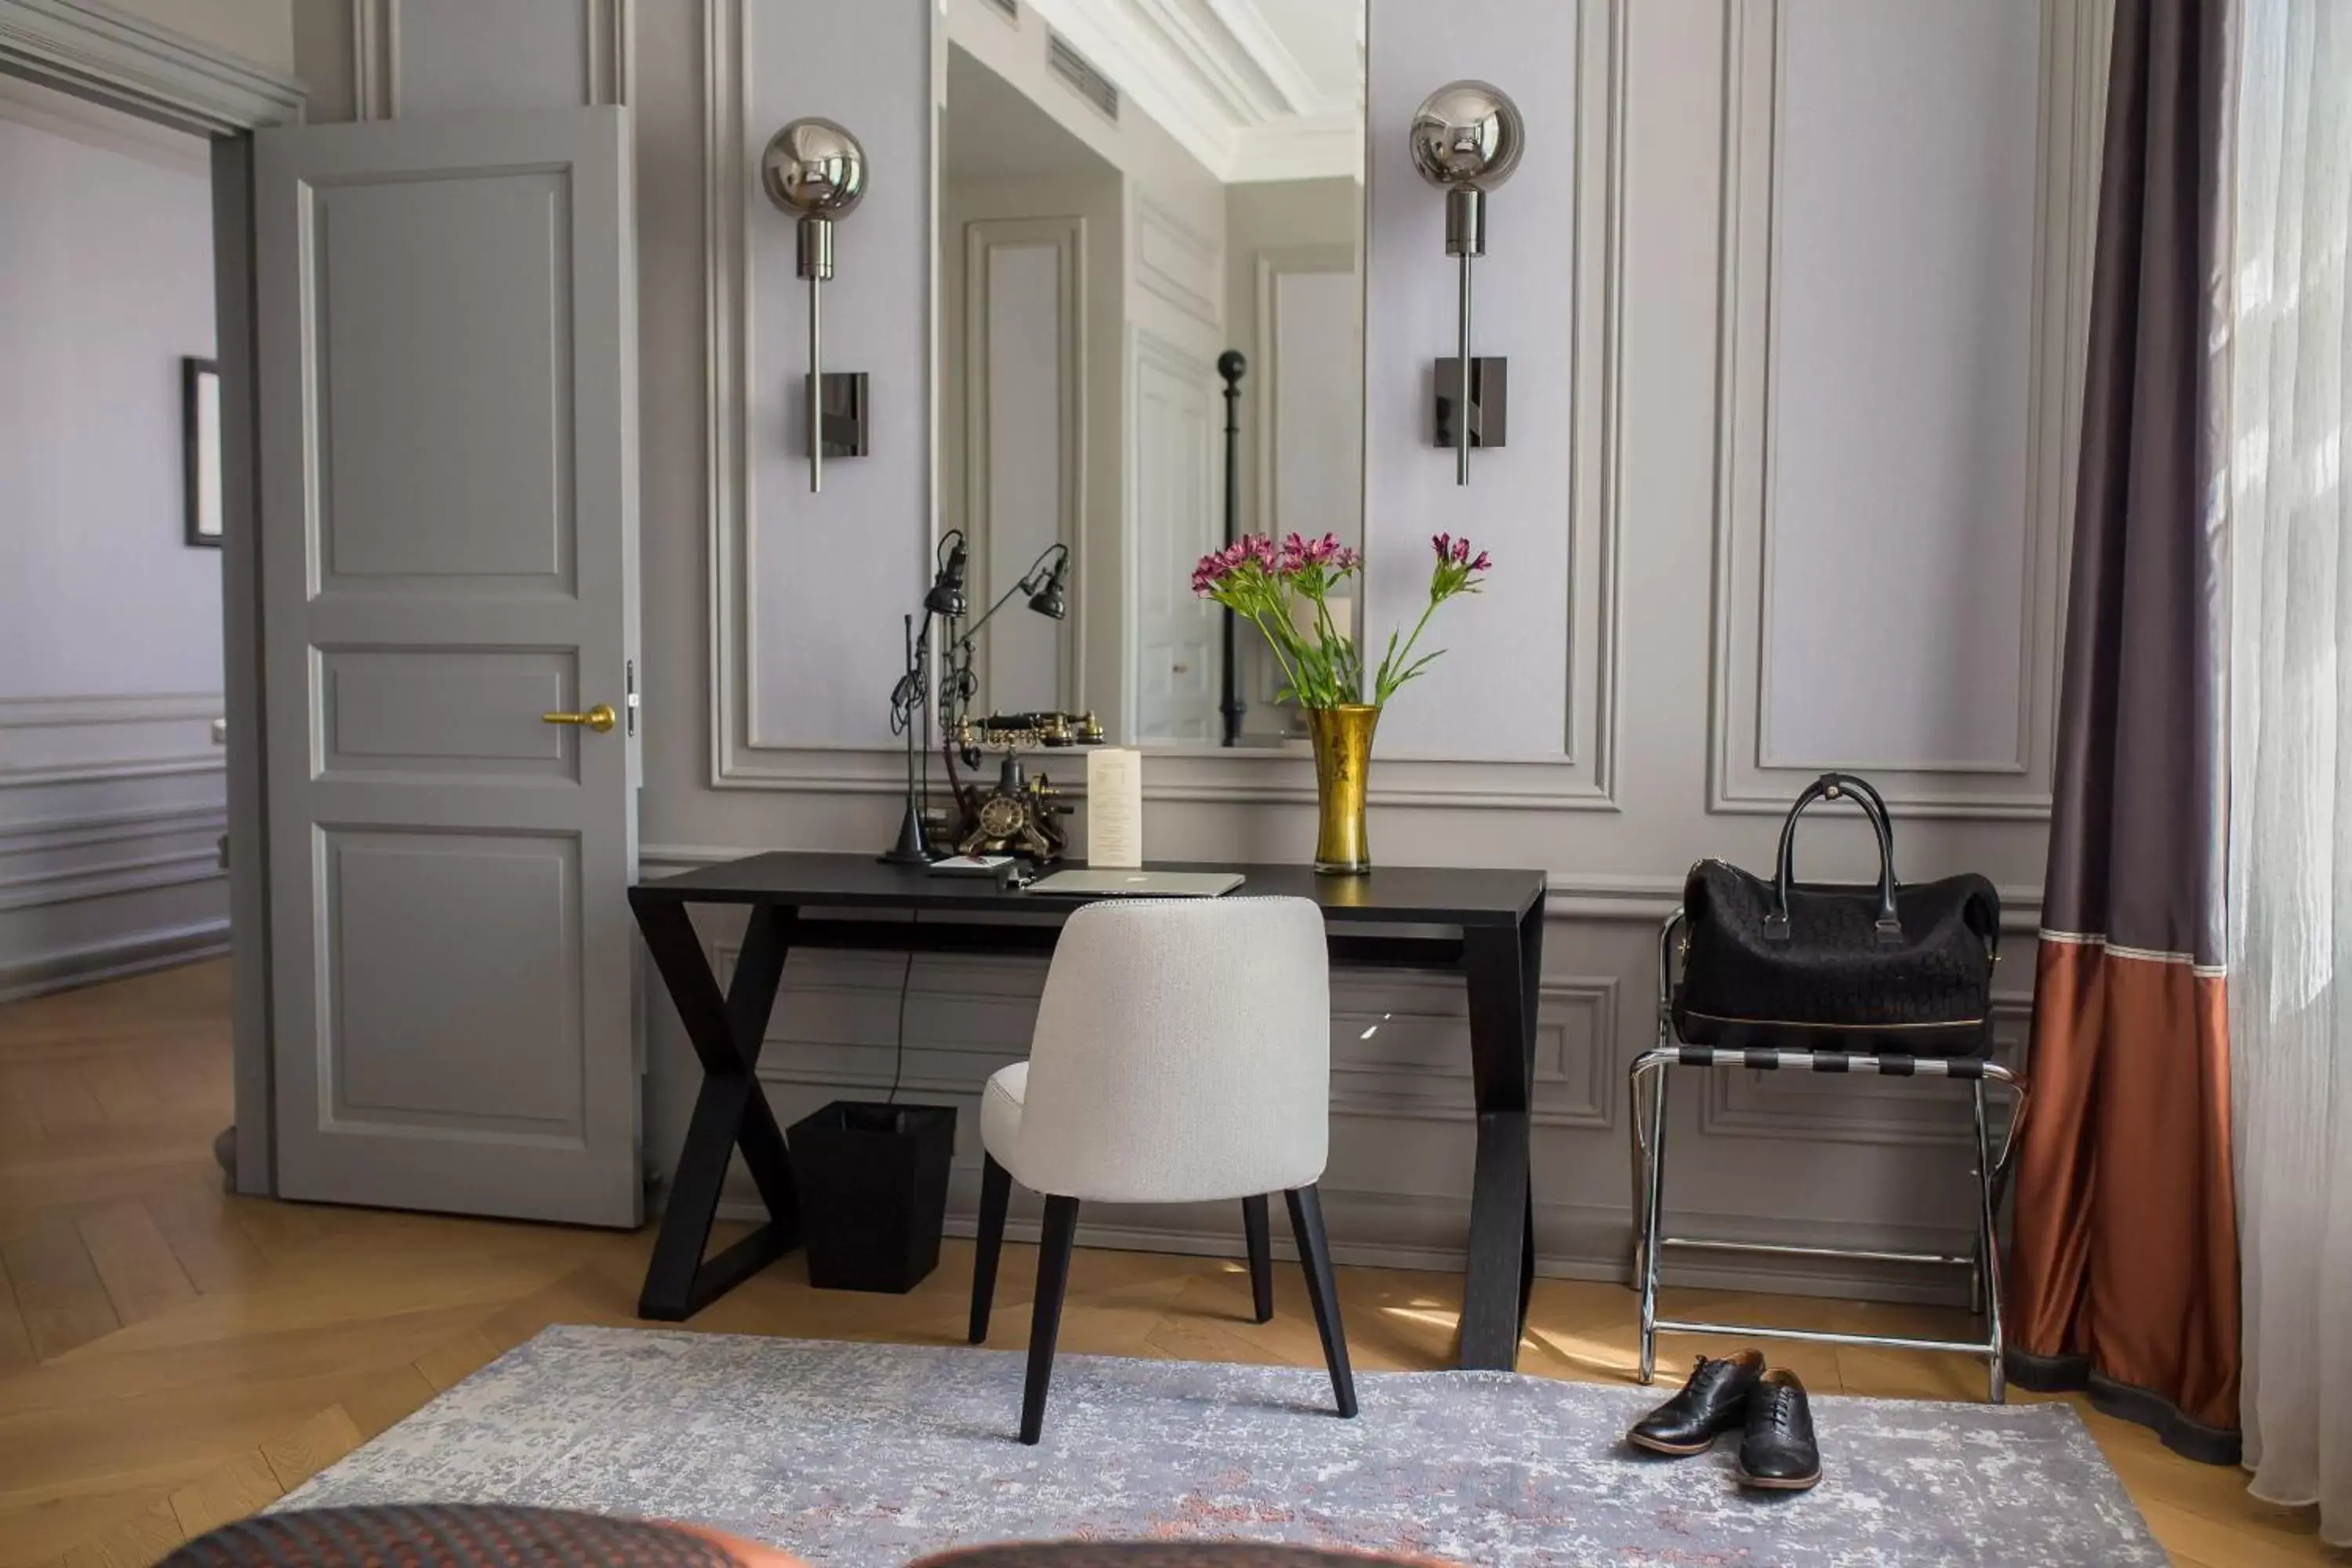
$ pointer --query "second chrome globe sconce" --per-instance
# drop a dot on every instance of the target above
(1467, 139)
(815, 170)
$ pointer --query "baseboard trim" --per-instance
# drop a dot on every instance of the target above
(119, 958)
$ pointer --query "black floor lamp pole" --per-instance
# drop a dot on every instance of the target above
(1229, 365)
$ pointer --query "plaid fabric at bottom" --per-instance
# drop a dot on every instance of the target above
(464, 1536)
(1162, 1555)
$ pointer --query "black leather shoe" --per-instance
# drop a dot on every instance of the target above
(1779, 1453)
(1715, 1401)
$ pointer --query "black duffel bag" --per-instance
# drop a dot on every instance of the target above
(1880, 967)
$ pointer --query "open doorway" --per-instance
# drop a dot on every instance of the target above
(113, 805)
(132, 1036)
(116, 1040)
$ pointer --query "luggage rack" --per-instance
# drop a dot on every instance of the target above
(1649, 1123)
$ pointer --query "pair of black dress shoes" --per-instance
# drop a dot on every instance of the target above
(1776, 1451)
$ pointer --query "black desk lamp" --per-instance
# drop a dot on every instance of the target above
(1046, 584)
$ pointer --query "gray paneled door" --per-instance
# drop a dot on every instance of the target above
(448, 469)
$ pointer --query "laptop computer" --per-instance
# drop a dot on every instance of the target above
(1139, 884)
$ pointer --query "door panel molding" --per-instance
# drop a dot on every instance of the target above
(1170, 434)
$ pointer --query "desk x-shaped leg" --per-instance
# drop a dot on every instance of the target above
(1504, 969)
(730, 1113)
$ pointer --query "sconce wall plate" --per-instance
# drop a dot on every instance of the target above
(843, 426)
(815, 170)
(1465, 139)
(1489, 400)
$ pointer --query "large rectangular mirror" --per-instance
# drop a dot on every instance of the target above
(1149, 226)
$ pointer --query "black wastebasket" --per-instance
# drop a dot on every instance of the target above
(874, 1190)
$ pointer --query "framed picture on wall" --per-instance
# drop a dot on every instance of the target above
(200, 434)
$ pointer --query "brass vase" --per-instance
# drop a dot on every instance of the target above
(1343, 756)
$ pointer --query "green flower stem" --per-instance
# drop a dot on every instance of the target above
(1274, 645)
(1387, 684)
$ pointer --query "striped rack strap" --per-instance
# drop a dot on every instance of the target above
(1893, 1064)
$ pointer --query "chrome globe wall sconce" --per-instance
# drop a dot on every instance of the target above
(1466, 138)
(816, 170)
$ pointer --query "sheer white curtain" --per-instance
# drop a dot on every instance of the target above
(2291, 748)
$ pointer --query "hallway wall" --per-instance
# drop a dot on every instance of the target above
(112, 795)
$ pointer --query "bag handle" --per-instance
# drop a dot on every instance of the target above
(1837, 786)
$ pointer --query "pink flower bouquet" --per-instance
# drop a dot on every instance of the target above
(1270, 584)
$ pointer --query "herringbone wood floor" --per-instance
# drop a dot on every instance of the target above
(171, 1357)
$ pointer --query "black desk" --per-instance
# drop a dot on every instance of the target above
(1499, 953)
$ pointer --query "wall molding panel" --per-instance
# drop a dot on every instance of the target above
(384, 84)
(89, 740)
(744, 654)
(113, 816)
(983, 238)
(1265, 368)
(1175, 264)
(1749, 773)
(376, 60)
(1579, 776)
(1399, 1046)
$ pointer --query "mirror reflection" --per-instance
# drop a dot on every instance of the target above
(1151, 338)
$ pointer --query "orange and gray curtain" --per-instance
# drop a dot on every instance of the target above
(2123, 1277)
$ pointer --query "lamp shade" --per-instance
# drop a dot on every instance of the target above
(947, 593)
(1052, 598)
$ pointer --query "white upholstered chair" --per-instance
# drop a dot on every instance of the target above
(1183, 1054)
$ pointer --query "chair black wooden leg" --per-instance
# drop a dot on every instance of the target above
(1261, 1255)
(1315, 1256)
(995, 1196)
(1054, 1245)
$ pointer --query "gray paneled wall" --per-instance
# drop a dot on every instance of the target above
(1509, 681)
(1614, 708)
(112, 811)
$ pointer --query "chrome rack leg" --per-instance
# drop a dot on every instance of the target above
(1988, 1255)
(1638, 1151)
(1653, 1212)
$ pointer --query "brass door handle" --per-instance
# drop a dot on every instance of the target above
(598, 718)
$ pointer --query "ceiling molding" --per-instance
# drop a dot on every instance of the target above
(1220, 59)
(1294, 90)
(89, 47)
(24, 102)
(1216, 78)
(1325, 147)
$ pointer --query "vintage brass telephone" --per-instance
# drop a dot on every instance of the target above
(1020, 814)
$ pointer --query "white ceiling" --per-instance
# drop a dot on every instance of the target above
(1256, 89)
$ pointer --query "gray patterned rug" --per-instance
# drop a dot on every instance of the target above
(874, 1454)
